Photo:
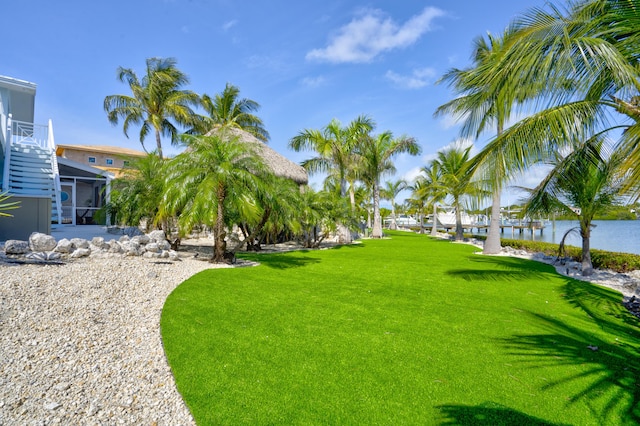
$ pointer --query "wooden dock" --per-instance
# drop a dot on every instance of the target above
(531, 227)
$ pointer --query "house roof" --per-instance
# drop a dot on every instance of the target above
(279, 164)
(82, 169)
(17, 84)
(104, 149)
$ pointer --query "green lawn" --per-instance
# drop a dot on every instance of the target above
(407, 330)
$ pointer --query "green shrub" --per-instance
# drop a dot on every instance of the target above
(619, 262)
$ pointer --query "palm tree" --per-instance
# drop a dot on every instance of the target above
(430, 187)
(335, 146)
(390, 192)
(376, 160)
(5, 204)
(581, 184)
(226, 109)
(587, 58)
(455, 178)
(156, 103)
(488, 91)
(136, 196)
(216, 175)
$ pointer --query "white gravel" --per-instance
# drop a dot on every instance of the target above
(80, 342)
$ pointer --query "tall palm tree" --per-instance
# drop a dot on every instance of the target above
(432, 189)
(376, 155)
(335, 146)
(587, 58)
(216, 175)
(157, 102)
(488, 92)
(389, 192)
(227, 109)
(581, 184)
(455, 177)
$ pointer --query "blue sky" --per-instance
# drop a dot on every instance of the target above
(305, 62)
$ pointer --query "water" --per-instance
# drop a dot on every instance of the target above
(610, 235)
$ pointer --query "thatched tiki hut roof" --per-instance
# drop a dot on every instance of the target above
(279, 164)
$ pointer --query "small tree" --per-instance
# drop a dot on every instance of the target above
(216, 175)
(582, 184)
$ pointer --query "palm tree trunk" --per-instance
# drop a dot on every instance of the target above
(377, 221)
(394, 224)
(587, 265)
(220, 245)
(159, 143)
(459, 232)
(434, 224)
(492, 244)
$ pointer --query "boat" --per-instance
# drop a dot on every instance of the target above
(447, 219)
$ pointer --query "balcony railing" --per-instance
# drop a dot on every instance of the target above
(29, 134)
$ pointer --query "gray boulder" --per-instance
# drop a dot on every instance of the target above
(64, 246)
(16, 247)
(80, 243)
(41, 242)
(157, 236)
(81, 252)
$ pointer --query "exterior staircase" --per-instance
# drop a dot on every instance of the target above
(31, 168)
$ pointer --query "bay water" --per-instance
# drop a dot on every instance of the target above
(610, 235)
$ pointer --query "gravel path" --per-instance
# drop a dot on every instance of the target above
(80, 343)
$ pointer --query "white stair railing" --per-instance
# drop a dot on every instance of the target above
(55, 171)
(7, 155)
(30, 134)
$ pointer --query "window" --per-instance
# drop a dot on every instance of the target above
(126, 163)
(92, 160)
(109, 161)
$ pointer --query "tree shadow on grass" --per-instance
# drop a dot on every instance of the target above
(609, 370)
(501, 269)
(287, 260)
(488, 414)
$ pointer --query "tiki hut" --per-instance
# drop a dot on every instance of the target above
(279, 164)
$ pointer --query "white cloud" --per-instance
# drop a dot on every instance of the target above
(365, 37)
(461, 143)
(314, 81)
(411, 175)
(229, 24)
(418, 78)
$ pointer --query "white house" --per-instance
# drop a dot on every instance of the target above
(31, 172)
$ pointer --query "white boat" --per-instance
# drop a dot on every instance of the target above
(447, 219)
(402, 221)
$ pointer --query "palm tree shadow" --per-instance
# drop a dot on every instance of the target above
(609, 372)
(487, 414)
(503, 269)
(293, 259)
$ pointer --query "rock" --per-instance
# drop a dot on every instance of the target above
(131, 248)
(16, 247)
(43, 256)
(151, 255)
(97, 241)
(164, 245)
(157, 236)
(114, 247)
(41, 242)
(64, 246)
(152, 247)
(81, 252)
(51, 406)
(132, 231)
(80, 243)
(173, 255)
(141, 239)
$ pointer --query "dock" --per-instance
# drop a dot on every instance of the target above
(532, 227)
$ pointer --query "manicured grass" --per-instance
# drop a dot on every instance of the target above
(406, 330)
